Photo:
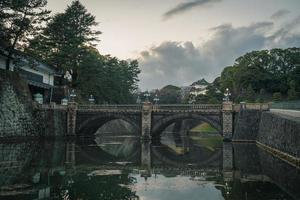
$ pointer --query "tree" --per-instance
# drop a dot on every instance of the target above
(169, 94)
(66, 38)
(108, 79)
(249, 94)
(270, 70)
(20, 20)
(202, 99)
(292, 93)
(214, 91)
(262, 95)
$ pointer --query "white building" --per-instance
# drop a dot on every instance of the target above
(40, 77)
(199, 87)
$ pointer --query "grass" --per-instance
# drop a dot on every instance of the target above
(210, 143)
(204, 127)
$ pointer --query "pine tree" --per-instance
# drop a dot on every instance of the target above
(20, 20)
(66, 38)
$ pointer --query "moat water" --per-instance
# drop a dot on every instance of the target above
(121, 168)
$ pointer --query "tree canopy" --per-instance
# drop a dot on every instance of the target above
(66, 41)
(65, 38)
(259, 74)
(20, 20)
(109, 79)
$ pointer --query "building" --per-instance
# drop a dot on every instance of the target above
(199, 87)
(40, 76)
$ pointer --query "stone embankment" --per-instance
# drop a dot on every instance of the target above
(280, 133)
(53, 122)
(16, 114)
(276, 131)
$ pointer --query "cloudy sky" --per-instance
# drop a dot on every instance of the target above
(180, 41)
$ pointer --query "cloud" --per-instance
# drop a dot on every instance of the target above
(183, 7)
(280, 14)
(181, 63)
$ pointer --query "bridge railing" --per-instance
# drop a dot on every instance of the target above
(129, 107)
(187, 107)
(50, 107)
(251, 106)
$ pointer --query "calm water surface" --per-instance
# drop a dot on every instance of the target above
(173, 168)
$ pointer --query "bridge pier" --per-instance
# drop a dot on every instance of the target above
(146, 121)
(70, 155)
(71, 119)
(227, 161)
(146, 155)
(227, 120)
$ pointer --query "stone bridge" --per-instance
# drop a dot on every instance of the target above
(150, 120)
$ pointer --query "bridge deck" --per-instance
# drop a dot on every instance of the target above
(155, 108)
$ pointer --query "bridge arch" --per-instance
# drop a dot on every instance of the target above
(167, 157)
(89, 126)
(97, 155)
(163, 123)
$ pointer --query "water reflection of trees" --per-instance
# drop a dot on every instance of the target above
(30, 168)
(100, 187)
(14, 158)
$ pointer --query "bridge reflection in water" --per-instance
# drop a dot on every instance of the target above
(128, 168)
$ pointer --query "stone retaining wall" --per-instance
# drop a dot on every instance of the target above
(16, 114)
(53, 122)
(274, 131)
(281, 133)
(246, 125)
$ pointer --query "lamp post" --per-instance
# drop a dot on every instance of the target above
(91, 99)
(156, 99)
(138, 100)
(227, 95)
(147, 95)
(72, 95)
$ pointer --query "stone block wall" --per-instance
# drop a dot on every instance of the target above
(283, 174)
(281, 133)
(245, 158)
(16, 114)
(246, 125)
(53, 123)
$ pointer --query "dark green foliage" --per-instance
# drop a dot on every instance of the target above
(64, 40)
(255, 76)
(249, 94)
(212, 96)
(292, 93)
(277, 96)
(202, 99)
(110, 80)
(19, 21)
(169, 94)
(67, 43)
(262, 96)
